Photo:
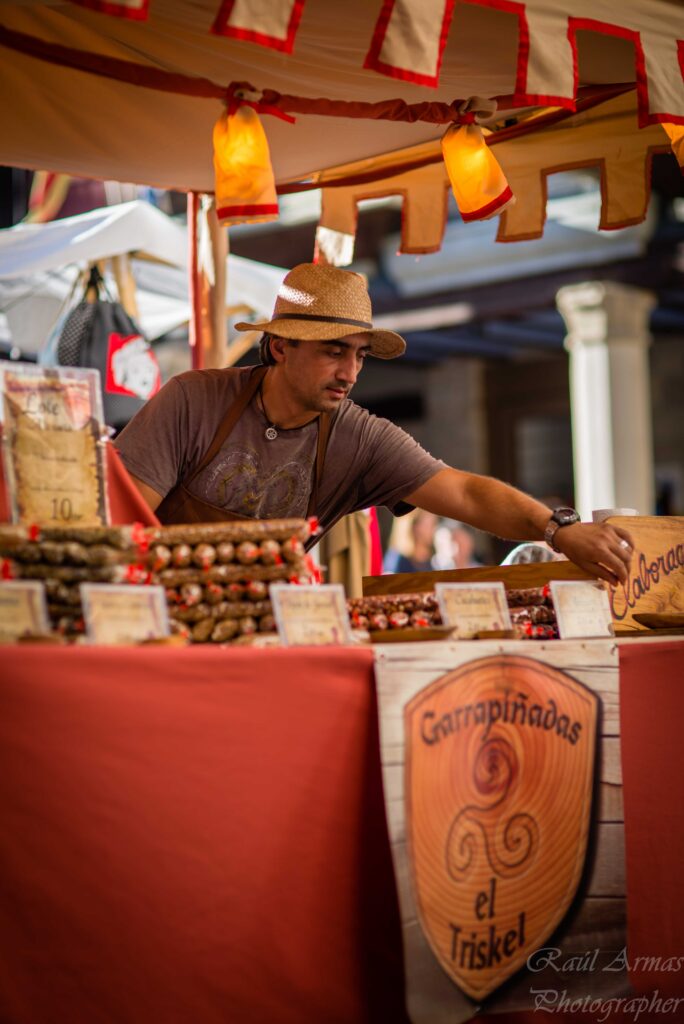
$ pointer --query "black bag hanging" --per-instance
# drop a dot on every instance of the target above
(102, 335)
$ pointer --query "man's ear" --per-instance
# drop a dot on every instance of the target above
(278, 346)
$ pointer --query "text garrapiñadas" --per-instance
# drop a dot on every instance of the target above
(548, 716)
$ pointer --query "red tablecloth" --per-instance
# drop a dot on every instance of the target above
(193, 836)
(651, 726)
(199, 835)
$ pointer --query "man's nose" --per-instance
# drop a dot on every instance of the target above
(348, 368)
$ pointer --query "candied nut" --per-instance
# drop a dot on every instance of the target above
(256, 590)
(225, 552)
(213, 593)
(247, 552)
(181, 555)
(202, 630)
(204, 555)
(398, 620)
(224, 630)
(292, 549)
(191, 594)
(270, 552)
(160, 557)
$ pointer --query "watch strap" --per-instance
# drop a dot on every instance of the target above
(555, 524)
(552, 528)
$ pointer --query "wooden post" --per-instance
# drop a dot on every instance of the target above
(125, 284)
(195, 324)
(213, 278)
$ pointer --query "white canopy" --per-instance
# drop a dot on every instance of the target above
(39, 264)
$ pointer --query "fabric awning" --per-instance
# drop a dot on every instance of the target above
(132, 93)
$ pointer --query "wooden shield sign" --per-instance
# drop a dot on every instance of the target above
(499, 772)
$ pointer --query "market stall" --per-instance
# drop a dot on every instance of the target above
(202, 767)
(200, 833)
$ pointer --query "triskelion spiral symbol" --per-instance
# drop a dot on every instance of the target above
(509, 843)
(495, 771)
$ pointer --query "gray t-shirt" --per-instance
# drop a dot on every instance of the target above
(369, 461)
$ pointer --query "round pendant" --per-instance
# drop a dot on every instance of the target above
(271, 433)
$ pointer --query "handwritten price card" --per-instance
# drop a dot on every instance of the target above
(473, 608)
(52, 455)
(582, 608)
(123, 614)
(23, 611)
(310, 614)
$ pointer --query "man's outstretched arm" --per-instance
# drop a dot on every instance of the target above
(500, 509)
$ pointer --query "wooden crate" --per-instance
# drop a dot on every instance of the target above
(655, 585)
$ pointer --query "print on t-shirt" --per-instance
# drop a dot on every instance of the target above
(237, 482)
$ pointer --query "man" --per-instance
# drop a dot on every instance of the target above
(284, 439)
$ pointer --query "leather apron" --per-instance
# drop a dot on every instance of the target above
(180, 506)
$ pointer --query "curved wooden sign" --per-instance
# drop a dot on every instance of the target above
(499, 773)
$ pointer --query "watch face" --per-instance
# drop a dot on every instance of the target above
(565, 516)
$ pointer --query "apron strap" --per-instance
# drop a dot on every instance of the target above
(230, 419)
(324, 428)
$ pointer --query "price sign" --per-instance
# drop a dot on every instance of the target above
(311, 614)
(53, 456)
(23, 610)
(123, 614)
(582, 608)
(473, 608)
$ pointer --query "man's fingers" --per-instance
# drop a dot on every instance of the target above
(604, 573)
(616, 564)
(619, 548)
(600, 570)
(623, 551)
(625, 541)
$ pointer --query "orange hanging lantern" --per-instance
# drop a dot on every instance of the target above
(245, 186)
(675, 133)
(477, 181)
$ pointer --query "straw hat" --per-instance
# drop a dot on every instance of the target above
(317, 302)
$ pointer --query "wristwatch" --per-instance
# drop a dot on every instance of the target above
(559, 517)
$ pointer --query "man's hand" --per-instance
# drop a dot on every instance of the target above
(491, 505)
(598, 548)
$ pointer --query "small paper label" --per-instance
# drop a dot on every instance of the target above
(123, 614)
(23, 610)
(582, 608)
(473, 608)
(310, 615)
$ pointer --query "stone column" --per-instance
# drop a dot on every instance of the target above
(455, 406)
(608, 340)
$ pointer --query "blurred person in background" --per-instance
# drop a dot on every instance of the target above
(454, 546)
(412, 543)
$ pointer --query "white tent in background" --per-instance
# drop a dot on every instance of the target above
(40, 264)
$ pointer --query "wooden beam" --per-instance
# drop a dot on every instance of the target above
(240, 345)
